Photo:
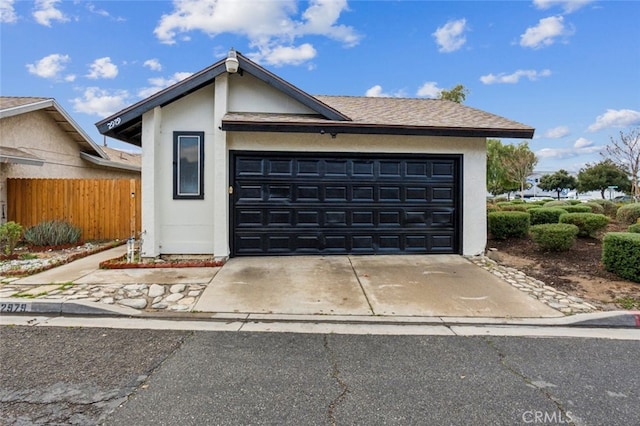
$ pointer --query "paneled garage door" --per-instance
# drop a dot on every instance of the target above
(294, 203)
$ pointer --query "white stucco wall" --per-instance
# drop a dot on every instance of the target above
(177, 226)
(474, 232)
(248, 94)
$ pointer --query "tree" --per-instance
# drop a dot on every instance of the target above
(456, 94)
(600, 176)
(519, 162)
(497, 180)
(625, 152)
(558, 181)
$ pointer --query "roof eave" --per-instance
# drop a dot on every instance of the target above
(108, 163)
(375, 129)
(131, 117)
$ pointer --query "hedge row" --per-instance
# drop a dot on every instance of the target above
(621, 254)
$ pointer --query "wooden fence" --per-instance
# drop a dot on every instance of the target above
(105, 209)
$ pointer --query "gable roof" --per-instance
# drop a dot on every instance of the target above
(16, 105)
(333, 114)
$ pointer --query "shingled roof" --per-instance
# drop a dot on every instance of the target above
(371, 115)
(333, 114)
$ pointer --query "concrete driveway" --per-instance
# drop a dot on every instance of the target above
(436, 285)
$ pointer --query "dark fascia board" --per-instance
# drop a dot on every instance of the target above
(132, 116)
(365, 129)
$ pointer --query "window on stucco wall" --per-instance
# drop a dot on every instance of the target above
(188, 165)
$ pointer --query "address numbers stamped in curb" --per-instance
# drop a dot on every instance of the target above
(14, 307)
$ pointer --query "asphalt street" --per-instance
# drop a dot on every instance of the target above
(53, 375)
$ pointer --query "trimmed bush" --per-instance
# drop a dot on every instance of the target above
(514, 208)
(503, 203)
(518, 201)
(500, 199)
(628, 214)
(595, 207)
(503, 225)
(10, 233)
(635, 228)
(574, 202)
(52, 233)
(621, 254)
(578, 209)
(556, 203)
(554, 236)
(610, 208)
(546, 215)
(588, 223)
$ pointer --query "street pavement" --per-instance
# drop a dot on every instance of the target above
(68, 375)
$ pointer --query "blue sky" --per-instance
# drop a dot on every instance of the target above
(571, 69)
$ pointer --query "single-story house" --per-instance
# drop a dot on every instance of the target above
(39, 139)
(237, 161)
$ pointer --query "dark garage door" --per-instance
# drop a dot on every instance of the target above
(293, 203)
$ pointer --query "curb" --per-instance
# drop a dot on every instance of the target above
(17, 305)
(610, 319)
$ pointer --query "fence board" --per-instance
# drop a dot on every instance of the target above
(103, 208)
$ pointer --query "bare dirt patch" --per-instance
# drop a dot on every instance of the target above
(578, 271)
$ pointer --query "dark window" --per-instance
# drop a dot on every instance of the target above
(188, 165)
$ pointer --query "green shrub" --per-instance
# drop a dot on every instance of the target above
(595, 207)
(518, 201)
(52, 233)
(500, 199)
(635, 228)
(628, 214)
(620, 254)
(574, 202)
(556, 203)
(546, 215)
(554, 236)
(610, 208)
(503, 203)
(503, 225)
(514, 208)
(578, 209)
(10, 233)
(588, 223)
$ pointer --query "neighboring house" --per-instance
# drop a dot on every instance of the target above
(237, 161)
(38, 139)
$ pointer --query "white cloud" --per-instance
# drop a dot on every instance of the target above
(580, 147)
(50, 66)
(153, 64)
(615, 118)
(582, 143)
(282, 55)
(45, 12)
(102, 68)
(100, 102)
(429, 89)
(376, 92)
(450, 37)
(515, 77)
(567, 5)
(270, 26)
(557, 132)
(159, 83)
(545, 33)
(7, 12)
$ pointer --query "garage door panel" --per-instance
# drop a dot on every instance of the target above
(293, 203)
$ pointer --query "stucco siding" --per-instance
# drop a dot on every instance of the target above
(185, 226)
(249, 94)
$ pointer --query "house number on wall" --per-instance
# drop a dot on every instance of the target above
(114, 123)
